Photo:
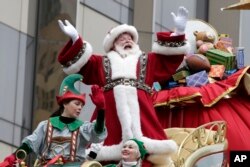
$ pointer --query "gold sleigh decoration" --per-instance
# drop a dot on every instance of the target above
(91, 164)
(198, 146)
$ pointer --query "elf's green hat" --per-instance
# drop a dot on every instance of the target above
(68, 91)
(141, 147)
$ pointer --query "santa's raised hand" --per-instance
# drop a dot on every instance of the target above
(69, 30)
(180, 20)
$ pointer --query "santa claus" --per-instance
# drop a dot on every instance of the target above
(126, 75)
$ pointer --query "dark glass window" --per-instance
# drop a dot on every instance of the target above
(50, 40)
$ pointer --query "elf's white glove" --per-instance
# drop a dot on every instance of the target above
(93, 150)
(69, 30)
(180, 20)
(96, 147)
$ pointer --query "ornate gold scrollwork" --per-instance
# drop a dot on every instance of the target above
(202, 136)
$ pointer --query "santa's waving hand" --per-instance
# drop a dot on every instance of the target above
(180, 20)
(69, 30)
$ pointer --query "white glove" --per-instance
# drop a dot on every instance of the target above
(180, 20)
(93, 150)
(96, 147)
(69, 30)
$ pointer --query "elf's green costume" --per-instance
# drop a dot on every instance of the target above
(66, 136)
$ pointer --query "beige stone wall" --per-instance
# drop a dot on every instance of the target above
(19, 14)
(227, 22)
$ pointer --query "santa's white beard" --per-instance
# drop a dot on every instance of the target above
(134, 50)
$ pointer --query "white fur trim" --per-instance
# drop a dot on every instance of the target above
(171, 50)
(74, 68)
(115, 32)
(134, 112)
(123, 67)
(110, 153)
(154, 146)
(123, 111)
(159, 151)
(128, 111)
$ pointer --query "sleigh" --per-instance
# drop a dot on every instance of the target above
(222, 103)
(203, 146)
(208, 117)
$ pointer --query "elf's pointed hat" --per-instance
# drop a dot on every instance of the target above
(242, 5)
(141, 147)
(68, 91)
(115, 32)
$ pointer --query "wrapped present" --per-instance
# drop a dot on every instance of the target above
(226, 41)
(182, 81)
(156, 86)
(240, 57)
(171, 84)
(216, 71)
(216, 56)
(197, 79)
(230, 72)
(180, 75)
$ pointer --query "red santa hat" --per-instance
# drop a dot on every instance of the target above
(166, 37)
(68, 91)
(115, 32)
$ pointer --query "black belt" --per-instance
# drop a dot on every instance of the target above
(127, 82)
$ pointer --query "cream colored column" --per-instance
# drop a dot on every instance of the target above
(143, 21)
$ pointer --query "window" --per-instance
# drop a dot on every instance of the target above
(118, 10)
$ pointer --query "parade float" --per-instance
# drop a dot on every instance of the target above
(205, 106)
(211, 87)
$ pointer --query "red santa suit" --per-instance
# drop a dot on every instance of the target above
(127, 83)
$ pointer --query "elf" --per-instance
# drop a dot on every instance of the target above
(133, 152)
(63, 136)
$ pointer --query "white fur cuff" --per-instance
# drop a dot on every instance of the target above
(74, 68)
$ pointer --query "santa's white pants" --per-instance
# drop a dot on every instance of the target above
(128, 112)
